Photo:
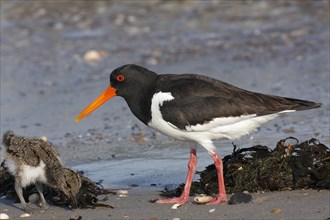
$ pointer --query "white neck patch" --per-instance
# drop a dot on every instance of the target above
(157, 101)
(159, 98)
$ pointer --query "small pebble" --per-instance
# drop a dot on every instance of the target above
(34, 198)
(175, 206)
(276, 211)
(151, 61)
(24, 215)
(94, 55)
(4, 216)
(44, 138)
(240, 197)
(131, 18)
(75, 217)
(122, 192)
(212, 210)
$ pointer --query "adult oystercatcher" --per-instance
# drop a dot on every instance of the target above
(194, 108)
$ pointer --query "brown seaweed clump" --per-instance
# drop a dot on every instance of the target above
(87, 196)
(258, 168)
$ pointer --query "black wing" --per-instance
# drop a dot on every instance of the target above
(199, 99)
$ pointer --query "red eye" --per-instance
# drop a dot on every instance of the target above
(120, 78)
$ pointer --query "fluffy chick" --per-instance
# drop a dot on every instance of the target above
(34, 161)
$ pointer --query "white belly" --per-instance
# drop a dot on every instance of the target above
(28, 174)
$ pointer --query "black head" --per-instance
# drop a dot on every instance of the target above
(132, 82)
(130, 79)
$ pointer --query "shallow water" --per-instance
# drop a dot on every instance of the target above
(276, 48)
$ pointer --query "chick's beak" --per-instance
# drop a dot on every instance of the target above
(105, 96)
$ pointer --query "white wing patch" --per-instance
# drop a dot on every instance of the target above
(218, 122)
(234, 127)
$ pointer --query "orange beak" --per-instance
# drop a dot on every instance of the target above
(105, 96)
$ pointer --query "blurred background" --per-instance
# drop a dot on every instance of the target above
(56, 57)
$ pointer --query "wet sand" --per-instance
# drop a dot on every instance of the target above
(279, 48)
(298, 204)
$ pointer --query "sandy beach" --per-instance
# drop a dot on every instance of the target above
(298, 204)
(56, 58)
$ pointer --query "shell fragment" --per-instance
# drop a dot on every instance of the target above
(176, 206)
(24, 215)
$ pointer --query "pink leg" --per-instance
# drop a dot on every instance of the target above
(222, 197)
(191, 171)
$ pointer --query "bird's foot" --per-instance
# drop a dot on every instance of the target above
(178, 200)
(220, 198)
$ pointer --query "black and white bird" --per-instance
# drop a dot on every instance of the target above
(35, 161)
(194, 108)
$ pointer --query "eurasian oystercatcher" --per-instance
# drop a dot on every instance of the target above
(32, 160)
(194, 108)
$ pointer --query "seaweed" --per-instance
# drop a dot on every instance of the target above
(259, 168)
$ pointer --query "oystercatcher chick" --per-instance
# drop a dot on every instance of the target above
(194, 108)
(32, 160)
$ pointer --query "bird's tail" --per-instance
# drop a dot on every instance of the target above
(300, 105)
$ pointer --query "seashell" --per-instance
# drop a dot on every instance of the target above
(202, 199)
(4, 216)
